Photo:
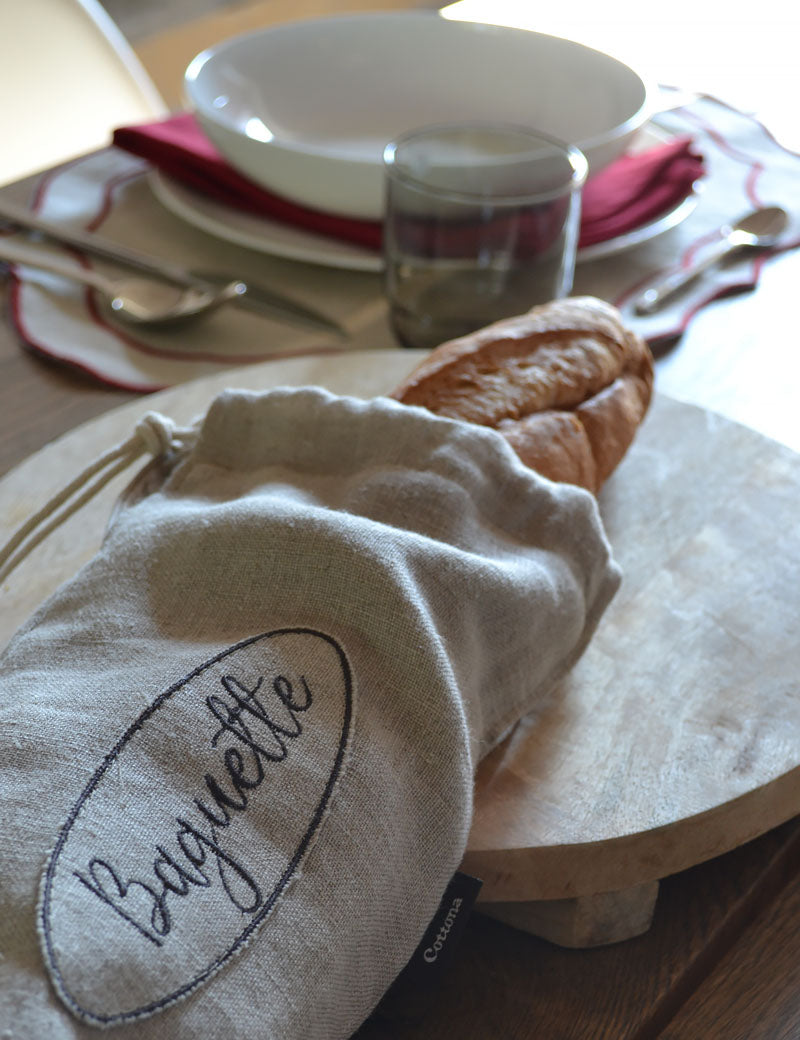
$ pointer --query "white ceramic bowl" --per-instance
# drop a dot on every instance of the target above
(305, 109)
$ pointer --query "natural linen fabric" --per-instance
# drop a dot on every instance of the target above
(238, 747)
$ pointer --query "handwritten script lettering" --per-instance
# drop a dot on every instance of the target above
(262, 727)
(230, 774)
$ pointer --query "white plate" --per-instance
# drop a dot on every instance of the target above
(291, 243)
(620, 244)
(306, 108)
(258, 232)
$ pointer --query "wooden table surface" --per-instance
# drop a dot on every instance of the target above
(722, 958)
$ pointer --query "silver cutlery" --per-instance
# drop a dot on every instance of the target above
(759, 229)
(257, 297)
(137, 300)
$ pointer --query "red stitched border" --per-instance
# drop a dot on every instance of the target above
(754, 170)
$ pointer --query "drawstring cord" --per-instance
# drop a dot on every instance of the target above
(154, 434)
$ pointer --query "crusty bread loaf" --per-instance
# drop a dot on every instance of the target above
(567, 384)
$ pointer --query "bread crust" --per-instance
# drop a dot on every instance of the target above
(567, 385)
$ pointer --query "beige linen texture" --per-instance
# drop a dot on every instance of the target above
(238, 748)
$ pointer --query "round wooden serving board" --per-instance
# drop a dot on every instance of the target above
(676, 737)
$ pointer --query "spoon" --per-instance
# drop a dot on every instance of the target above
(139, 301)
(758, 229)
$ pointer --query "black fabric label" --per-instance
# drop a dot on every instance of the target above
(413, 991)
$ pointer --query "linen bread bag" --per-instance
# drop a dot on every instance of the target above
(238, 748)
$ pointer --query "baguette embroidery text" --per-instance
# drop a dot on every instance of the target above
(195, 824)
(176, 873)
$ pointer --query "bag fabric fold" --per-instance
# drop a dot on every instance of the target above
(239, 746)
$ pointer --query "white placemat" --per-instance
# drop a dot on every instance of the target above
(110, 192)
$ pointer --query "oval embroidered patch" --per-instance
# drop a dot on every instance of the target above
(194, 824)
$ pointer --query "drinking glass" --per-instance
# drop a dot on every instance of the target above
(481, 223)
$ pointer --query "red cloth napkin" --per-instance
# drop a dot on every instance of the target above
(632, 191)
(637, 188)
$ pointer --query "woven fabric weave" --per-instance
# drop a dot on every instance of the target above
(238, 748)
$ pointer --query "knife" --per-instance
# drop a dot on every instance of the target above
(257, 298)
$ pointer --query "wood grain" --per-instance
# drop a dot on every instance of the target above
(730, 1003)
(678, 734)
(676, 738)
(507, 984)
(593, 920)
(723, 942)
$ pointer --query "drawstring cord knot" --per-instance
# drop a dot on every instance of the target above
(154, 435)
(156, 432)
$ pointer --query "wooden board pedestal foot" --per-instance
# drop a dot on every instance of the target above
(674, 739)
(593, 920)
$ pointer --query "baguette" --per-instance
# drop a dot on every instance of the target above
(567, 385)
